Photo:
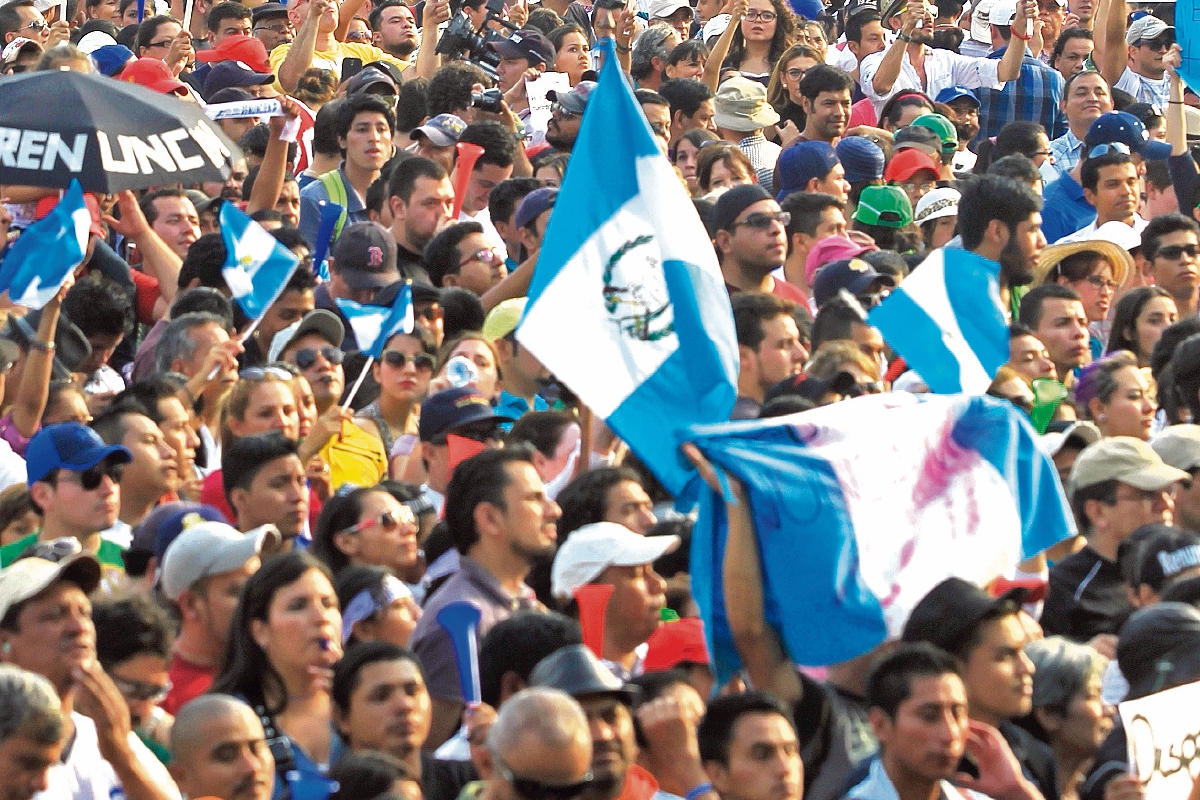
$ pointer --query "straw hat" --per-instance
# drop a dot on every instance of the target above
(1118, 258)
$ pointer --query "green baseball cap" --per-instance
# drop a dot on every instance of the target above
(886, 206)
(943, 127)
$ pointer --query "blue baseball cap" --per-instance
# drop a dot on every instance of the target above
(952, 93)
(862, 159)
(1126, 129)
(447, 411)
(68, 446)
(534, 205)
(802, 162)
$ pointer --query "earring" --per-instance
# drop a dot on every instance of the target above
(6, 648)
(1103, 417)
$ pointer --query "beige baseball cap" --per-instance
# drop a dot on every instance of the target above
(1179, 446)
(1124, 459)
(28, 577)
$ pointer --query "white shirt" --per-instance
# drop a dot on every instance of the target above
(878, 786)
(490, 233)
(12, 467)
(942, 70)
(1143, 89)
(1086, 233)
(87, 776)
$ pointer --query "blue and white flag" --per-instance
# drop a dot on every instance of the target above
(49, 250)
(947, 322)
(628, 307)
(257, 266)
(861, 507)
(374, 325)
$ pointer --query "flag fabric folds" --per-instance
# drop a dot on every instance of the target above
(947, 322)
(862, 507)
(374, 325)
(257, 266)
(49, 250)
(628, 306)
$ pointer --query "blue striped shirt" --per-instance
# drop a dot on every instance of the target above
(1034, 96)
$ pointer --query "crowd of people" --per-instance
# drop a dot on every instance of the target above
(221, 577)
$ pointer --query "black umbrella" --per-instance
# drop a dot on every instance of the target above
(109, 134)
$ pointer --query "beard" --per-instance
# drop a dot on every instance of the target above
(1014, 266)
(967, 131)
(560, 141)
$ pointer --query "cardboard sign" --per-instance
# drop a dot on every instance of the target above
(539, 105)
(1163, 735)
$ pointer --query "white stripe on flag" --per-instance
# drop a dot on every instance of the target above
(927, 288)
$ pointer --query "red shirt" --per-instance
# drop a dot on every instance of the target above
(188, 681)
(780, 289)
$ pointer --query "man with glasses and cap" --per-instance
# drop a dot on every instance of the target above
(271, 25)
(46, 628)
(312, 345)
(1134, 59)
(566, 114)
(750, 235)
(461, 414)
(74, 479)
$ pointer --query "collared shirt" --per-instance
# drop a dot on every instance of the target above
(942, 70)
(510, 405)
(1067, 150)
(86, 775)
(1086, 597)
(878, 786)
(310, 209)
(431, 643)
(1145, 90)
(1034, 96)
(762, 155)
(1087, 231)
(1064, 209)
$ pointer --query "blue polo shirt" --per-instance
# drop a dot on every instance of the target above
(1064, 210)
(516, 407)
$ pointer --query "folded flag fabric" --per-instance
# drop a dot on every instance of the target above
(947, 322)
(628, 306)
(257, 266)
(861, 507)
(374, 325)
(49, 250)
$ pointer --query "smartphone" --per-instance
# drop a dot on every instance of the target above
(351, 67)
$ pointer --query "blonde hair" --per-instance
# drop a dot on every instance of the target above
(834, 356)
(237, 400)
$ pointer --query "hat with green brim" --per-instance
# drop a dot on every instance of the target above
(886, 206)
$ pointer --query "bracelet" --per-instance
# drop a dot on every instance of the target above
(1019, 36)
(623, 48)
(904, 37)
(1175, 103)
(702, 789)
(38, 344)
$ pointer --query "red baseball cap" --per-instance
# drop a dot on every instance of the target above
(909, 162)
(47, 204)
(675, 643)
(154, 75)
(239, 47)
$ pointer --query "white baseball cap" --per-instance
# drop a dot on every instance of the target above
(1002, 12)
(210, 548)
(661, 9)
(28, 577)
(596, 547)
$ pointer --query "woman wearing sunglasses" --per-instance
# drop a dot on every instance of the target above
(403, 373)
(285, 637)
(366, 526)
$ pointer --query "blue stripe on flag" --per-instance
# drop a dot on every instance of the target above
(914, 335)
(972, 284)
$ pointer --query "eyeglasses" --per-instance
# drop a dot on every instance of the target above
(795, 74)
(762, 221)
(924, 187)
(358, 36)
(1174, 252)
(534, 789)
(277, 28)
(387, 520)
(163, 43)
(91, 477)
(259, 373)
(1101, 284)
(398, 359)
(486, 255)
(558, 109)
(305, 357)
(38, 25)
(760, 16)
(140, 690)
(1107, 148)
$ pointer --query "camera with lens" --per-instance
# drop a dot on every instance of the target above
(462, 41)
(488, 100)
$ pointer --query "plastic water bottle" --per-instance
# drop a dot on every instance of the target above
(461, 371)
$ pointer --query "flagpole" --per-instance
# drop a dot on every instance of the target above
(585, 436)
(241, 339)
(361, 377)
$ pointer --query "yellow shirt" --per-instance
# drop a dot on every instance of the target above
(355, 457)
(332, 59)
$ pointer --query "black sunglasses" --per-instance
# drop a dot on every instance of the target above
(533, 789)
(399, 359)
(305, 357)
(91, 477)
(1177, 251)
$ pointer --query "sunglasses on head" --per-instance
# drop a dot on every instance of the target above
(1177, 251)
(91, 477)
(57, 550)
(399, 360)
(258, 373)
(387, 520)
(1107, 148)
(533, 789)
(305, 357)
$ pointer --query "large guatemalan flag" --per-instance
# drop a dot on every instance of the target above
(627, 306)
(947, 322)
(862, 507)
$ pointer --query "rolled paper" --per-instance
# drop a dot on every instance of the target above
(304, 785)
(468, 154)
(593, 599)
(330, 213)
(1047, 394)
(460, 620)
(460, 448)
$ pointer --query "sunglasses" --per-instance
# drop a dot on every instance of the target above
(399, 360)
(533, 789)
(38, 25)
(762, 221)
(1177, 251)
(1109, 147)
(1157, 45)
(558, 109)
(387, 520)
(91, 477)
(305, 357)
(259, 373)
(139, 690)
(430, 313)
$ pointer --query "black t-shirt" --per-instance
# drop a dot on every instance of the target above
(442, 779)
(410, 265)
(1086, 597)
(836, 740)
(1036, 758)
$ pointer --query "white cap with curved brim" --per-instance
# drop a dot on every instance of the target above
(596, 547)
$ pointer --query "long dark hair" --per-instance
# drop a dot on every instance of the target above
(1125, 318)
(340, 512)
(785, 36)
(245, 669)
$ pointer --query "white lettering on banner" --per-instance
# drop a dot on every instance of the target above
(151, 150)
(1163, 740)
(40, 150)
(172, 139)
(127, 165)
(269, 107)
(56, 148)
(33, 144)
(10, 138)
(210, 143)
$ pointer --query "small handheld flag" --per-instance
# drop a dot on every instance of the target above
(460, 620)
(257, 266)
(35, 267)
(374, 325)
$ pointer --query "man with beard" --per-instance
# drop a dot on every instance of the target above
(825, 95)
(750, 235)
(394, 29)
(219, 749)
(501, 522)
(421, 199)
(1000, 220)
(963, 108)
(566, 113)
(1085, 98)
(909, 63)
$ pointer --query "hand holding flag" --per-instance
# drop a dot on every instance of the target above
(374, 325)
(49, 250)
